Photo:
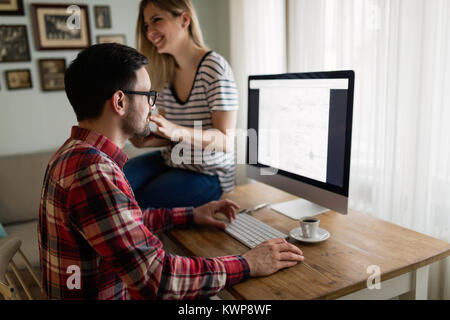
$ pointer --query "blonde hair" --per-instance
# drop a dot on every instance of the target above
(161, 66)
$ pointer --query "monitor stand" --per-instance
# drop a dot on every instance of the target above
(299, 208)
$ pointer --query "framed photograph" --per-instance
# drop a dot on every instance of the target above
(52, 74)
(110, 38)
(60, 27)
(11, 8)
(14, 43)
(18, 79)
(102, 17)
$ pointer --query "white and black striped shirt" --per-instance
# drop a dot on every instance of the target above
(214, 89)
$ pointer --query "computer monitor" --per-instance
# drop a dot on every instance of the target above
(303, 125)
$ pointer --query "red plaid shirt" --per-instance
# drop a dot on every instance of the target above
(89, 221)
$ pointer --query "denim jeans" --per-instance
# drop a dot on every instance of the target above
(159, 186)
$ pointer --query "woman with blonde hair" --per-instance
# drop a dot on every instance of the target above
(198, 98)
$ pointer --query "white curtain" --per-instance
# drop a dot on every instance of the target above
(400, 51)
(258, 46)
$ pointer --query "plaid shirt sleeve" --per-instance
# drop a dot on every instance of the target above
(107, 216)
(160, 220)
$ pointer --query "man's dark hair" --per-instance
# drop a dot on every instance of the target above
(98, 72)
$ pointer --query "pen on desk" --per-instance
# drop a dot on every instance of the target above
(255, 208)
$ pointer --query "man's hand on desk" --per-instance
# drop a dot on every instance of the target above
(271, 256)
(204, 215)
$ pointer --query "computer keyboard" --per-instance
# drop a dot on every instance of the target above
(250, 231)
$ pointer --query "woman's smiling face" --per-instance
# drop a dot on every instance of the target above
(163, 29)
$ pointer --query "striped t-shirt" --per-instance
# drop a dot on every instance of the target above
(214, 89)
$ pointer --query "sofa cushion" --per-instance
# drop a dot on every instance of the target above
(20, 190)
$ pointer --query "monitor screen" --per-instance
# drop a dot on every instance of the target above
(303, 125)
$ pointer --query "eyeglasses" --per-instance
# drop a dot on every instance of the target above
(149, 94)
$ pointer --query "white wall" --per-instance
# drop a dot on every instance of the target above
(214, 16)
(32, 120)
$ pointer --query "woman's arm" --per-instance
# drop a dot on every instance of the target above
(220, 138)
(150, 141)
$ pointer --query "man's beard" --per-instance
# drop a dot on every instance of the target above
(132, 125)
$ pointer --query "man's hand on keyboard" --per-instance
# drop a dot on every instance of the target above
(204, 215)
(271, 256)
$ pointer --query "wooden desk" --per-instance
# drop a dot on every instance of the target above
(335, 268)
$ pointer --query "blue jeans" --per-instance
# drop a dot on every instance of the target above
(159, 186)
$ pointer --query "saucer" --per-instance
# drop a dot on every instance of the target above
(297, 234)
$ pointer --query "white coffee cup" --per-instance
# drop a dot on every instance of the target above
(309, 226)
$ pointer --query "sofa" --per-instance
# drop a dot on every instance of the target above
(21, 179)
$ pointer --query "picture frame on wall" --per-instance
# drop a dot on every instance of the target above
(14, 43)
(60, 26)
(18, 79)
(11, 8)
(102, 17)
(52, 74)
(112, 38)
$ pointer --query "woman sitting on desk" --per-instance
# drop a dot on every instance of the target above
(199, 98)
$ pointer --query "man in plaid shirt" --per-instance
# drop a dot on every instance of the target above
(95, 242)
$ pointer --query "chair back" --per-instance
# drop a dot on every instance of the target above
(9, 247)
(6, 291)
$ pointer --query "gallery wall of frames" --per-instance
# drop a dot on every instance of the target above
(54, 27)
(36, 47)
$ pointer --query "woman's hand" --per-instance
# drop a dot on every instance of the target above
(164, 127)
(204, 215)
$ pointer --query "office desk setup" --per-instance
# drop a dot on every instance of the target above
(338, 268)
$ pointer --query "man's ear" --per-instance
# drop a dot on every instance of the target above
(185, 20)
(119, 102)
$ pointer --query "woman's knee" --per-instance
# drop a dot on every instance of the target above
(174, 188)
(141, 169)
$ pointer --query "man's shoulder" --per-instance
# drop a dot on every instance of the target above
(80, 153)
(74, 157)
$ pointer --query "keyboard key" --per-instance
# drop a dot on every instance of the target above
(251, 231)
